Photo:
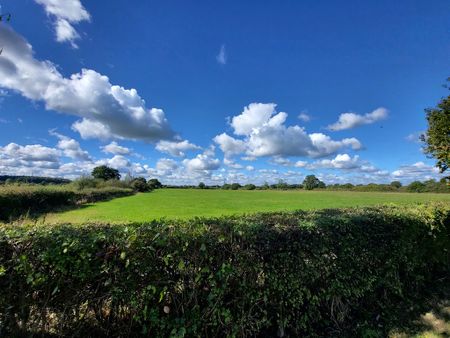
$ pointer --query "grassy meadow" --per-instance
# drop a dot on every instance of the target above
(189, 203)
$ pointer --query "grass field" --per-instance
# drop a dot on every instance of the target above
(184, 203)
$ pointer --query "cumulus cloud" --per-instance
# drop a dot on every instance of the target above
(106, 110)
(352, 120)
(15, 158)
(222, 56)
(116, 149)
(176, 148)
(202, 162)
(65, 13)
(70, 147)
(265, 134)
(417, 171)
(229, 145)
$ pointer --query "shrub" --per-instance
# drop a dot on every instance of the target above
(139, 184)
(154, 184)
(235, 186)
(416, 186)
(291, 274)
(19, 201)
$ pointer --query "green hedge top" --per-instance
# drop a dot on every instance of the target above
(271, 274)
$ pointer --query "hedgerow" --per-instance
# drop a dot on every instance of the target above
(272, 274)
(19, 201)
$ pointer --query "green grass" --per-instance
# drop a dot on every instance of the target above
(184, 203)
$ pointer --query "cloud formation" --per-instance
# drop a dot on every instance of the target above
(65, 13)
(176, 148)
(352, 120)
(265, 134)
(116, 149)
(106, 110)
(70, 147)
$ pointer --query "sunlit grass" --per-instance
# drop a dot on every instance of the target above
(188, 203)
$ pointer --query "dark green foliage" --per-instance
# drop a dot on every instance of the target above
(303, 273)
(104, 172)
(139, 184)
(437, 137)
(249, 187)
(33, 179)
(154, 184)
(19, 201)
(201, 185)
(416, 186)
(312, 182)
(235, 186)
(396, 184)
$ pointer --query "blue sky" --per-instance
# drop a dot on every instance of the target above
(244, 91)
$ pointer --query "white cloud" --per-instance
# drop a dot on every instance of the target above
(232, 164)
(175, 148)
(417, 171)
(265, 134)
(304, 117)
(415, 137)
(65, 13)
(253, 116)
(16, 159)
(222, 56)
(116, 149)
(229, 145)
(70, 147)
(107, 110)
(202, 162)
(352, 120)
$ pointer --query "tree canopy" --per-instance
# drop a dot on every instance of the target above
(104, 172)
(437, 136)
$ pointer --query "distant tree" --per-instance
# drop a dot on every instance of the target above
(437, 136)
(311, 182)
(235, 186)
(321, 185)
(154, 184)
(396, 184)
(226, 186)
(416, 186)
(250, 187)
(104, 172)
(201, 185)
(139, 184)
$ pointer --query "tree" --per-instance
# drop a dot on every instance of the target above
(201, 185)
(139, 184)
(311, 182)
(105, 173)
(416, 186)
(154, 184)
(396, 184)
(250, 187)
(235, 186)
(437, 136)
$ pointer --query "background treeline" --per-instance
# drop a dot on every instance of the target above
(340, 272)
(32, 179)
(395, 186)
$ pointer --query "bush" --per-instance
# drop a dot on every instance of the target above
(249, 187)
(19, 201)
(139, 184)
(291, 274)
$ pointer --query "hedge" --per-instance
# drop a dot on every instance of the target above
(17, 201)
(272, 274)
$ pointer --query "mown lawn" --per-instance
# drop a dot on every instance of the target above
(188, 203)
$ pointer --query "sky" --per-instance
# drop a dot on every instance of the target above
(222, 91)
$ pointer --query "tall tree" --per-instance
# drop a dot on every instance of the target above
(437, 136)
(105, 173)
(311, 182)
